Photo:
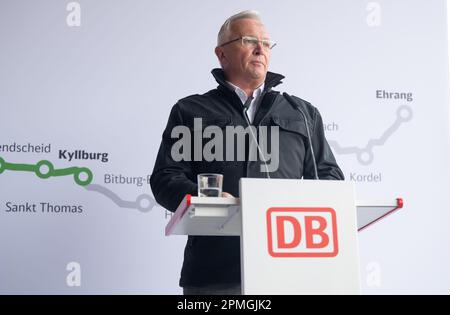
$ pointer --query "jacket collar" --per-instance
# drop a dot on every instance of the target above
(272, 79)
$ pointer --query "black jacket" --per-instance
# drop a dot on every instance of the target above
(216, 259)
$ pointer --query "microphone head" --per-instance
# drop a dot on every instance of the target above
(290, 100)
(287, 96)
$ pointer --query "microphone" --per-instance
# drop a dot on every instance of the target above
(246, 107)
(297, 107)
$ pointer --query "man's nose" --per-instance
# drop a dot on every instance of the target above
(258, 49)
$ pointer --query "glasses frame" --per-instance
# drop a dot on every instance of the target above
(262, 41)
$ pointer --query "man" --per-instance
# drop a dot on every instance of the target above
(212, 263)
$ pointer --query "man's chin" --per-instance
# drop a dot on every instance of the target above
(258, 75)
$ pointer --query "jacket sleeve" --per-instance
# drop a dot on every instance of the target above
(171, 180)
(327, 167)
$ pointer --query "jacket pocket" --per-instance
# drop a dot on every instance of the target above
(291, 125)
(210, 140)
(292, 142)
(212, 123)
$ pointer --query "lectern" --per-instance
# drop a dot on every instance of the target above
(297, 236)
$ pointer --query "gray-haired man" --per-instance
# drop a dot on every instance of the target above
(244, 96)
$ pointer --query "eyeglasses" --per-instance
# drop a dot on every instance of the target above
(252, 42)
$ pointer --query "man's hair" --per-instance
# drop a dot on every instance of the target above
(225, 30)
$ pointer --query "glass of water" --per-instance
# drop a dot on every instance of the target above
(210, 185)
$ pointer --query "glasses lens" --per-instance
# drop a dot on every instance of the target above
(266, 43)
(249, 41)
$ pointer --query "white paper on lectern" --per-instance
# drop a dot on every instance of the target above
(263, 274)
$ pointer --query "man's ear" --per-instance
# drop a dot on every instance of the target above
(220, 54)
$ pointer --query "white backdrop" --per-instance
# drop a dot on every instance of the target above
(101, 77)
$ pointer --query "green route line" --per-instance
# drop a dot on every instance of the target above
(45, 169)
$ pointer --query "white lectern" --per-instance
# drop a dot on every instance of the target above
(297, 236)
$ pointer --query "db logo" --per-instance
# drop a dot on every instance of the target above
(302, 232)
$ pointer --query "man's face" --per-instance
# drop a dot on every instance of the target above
(245, 63)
